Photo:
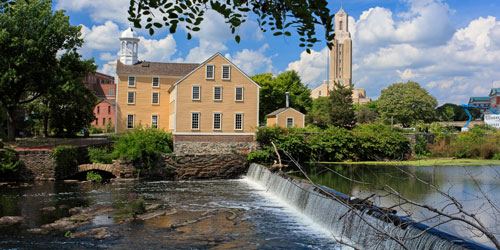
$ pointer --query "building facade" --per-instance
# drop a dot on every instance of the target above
(105, 89)
(340, 64)
(492, 101)
(211, 101)
(286, 118)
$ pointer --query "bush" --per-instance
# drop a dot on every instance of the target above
(9, 160)
(334, 144)
(378, 141)
(143, 146)
(100, 155)
(420, 147)
(66, 158)
(292, 140)
(94, 176)
(260, 156)
(95, 130)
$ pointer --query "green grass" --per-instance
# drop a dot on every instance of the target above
(427, 162)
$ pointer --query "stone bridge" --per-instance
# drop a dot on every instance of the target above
(116, 169)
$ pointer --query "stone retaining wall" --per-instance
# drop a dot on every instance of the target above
(211, 148)
(36, 165)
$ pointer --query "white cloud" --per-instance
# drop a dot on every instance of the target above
(109, 69)
(157, 50)
(407, 74)
(101, 37)
(99, 11)
(251, 61)
(311, 67)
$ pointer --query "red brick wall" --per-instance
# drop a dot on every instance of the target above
(103, 114)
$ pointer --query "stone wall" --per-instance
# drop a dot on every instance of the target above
(36, 165)
(209, 166)
(211, 148)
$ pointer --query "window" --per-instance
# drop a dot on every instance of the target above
(156, 82)
(154, 121)
(340, 25)
(130, 121)
(96, 121)
(109, 110)
(195, 120)
(340, 52)
(218, 93)
(340, 60)
(131, 97)
(289, 122)
(340, 45)
(217, 121)
(340, 68)
(196, 92)
(239, 94)
(226, 72)
(103, 121)
(155, 98)
(131, 81)
(238, 121)
(98, 109)
(111, 92)
(319, 93)
(210, 71)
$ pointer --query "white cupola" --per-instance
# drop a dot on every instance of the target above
(129, 46)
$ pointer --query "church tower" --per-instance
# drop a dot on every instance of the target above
(129, 46)
(341, 53)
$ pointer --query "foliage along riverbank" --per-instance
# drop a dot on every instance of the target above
(438, 162)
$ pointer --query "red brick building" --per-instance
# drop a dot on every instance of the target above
(105, 88)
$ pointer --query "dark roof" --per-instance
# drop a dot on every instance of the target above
(112, 102)
(156, 68)
(480, 99)
(281, 110)
(494, 91)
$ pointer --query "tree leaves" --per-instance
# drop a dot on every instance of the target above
(281, 17)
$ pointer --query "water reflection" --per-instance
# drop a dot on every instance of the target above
(469, 185)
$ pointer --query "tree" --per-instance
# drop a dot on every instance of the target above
(341, 108)
(444, 113)
(31, 35)
(318, 115)
(273, 89)
(280, 17)
(406, 103)
(68, 106)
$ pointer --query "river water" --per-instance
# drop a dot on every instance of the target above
(267, 223)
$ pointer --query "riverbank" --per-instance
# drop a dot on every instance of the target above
(437, 162)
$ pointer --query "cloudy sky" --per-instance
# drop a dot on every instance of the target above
(451, 47)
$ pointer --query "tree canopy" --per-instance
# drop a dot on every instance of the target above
(407, 103)
(453, 112)
(31, 36)
(336, 109)
(279, 17)
(273, 89)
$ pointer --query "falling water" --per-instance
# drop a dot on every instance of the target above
(361, 230)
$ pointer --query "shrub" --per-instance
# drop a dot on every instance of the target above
(109, 127)
(95, 130)
(66, 158)
(420, 147)
(143, 146)
(9, 160)
(94, 176)
(261, 156)
(378, 141)
(292, 140)
(334, 144)
(100, 155)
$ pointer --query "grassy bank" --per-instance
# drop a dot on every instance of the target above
(428, 162)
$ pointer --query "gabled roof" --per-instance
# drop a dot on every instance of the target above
(480, 99)
(281, 110)
(112, 102)
(155, 68)
(205, 62)
(494, 91)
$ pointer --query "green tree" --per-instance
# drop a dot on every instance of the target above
(341, 108)
(406, 103)
(273, 89)
(280, 17)
(318, 115)
(459, 113)
(31, 35)
(449, 114)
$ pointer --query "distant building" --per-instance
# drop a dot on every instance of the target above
(211, 101)
(105, 89)
(286, 117)
(492, 101)
(341, 62)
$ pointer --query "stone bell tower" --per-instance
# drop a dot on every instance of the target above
(341, 53)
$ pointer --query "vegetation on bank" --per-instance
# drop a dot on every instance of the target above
(425, 162)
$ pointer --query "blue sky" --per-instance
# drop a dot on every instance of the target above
(452, 48)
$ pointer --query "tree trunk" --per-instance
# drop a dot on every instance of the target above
(11, 124)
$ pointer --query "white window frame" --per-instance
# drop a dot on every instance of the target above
(153, 82)
(293, 122)
(235, 121)
(152, 95)
(222, 72)
(133, 121)
(199, 92)
(213, 71)
(220, 121)
(128, 97)
(133, 85)
(199, 120)
(242, 94)
(220, 99)
(157, 120)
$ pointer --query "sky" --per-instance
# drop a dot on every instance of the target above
(452, 48)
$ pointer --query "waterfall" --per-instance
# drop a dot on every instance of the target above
(347, 226)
